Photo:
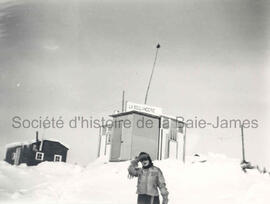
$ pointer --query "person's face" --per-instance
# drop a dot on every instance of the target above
(145, 162)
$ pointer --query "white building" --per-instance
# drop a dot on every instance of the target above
(142, 128)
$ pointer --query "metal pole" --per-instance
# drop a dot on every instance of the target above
(154, 65)
(243, 143)
(184, 144)
(123, 101)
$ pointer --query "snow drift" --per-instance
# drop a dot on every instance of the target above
(219, 180)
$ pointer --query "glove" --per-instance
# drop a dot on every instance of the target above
(137, 159)
(165, 200)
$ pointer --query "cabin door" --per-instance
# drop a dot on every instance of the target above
(125, 144)
(17, 156)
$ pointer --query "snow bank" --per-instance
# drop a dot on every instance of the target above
(219, 180)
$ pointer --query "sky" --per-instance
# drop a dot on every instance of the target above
(72, 58)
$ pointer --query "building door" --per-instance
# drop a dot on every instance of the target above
(17, 156)
(126, 143)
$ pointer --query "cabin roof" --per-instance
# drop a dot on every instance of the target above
(136, 112)
(145, 114)
(55, 140)
(17, 144)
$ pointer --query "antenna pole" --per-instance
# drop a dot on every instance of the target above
(154, 65)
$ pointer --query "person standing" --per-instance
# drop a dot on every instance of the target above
(150, 179)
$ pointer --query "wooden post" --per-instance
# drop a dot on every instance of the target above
(243, 143)
(99, 142)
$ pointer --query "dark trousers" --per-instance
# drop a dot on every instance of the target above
(147, 199)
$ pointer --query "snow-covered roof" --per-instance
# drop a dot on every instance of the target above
(16, 144)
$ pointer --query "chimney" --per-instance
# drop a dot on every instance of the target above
(37, 136)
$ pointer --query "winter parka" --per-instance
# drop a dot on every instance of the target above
(149, 180)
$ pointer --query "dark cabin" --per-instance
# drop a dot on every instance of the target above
(35, 152)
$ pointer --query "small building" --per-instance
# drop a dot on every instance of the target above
(35, 152)
(142, 128)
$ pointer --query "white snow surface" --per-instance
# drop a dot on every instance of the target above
(217, 181)
(15, 144)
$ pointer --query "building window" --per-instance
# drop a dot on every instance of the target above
(173, 136)
(108, 138)
(110, 128)
(39, 156)
(13, 157)
(57, 158)
(180, 127)
(104, 130)
(35, 148)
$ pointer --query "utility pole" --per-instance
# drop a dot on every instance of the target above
(243, 143)
(123, 101)
(154, 65)
(99, 142)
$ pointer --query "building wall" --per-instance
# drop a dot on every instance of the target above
(160, 143)
(105, 134)
(51, 148)
(164, 143)
(9, 155)
(145, 139)
(131, 139)
(102, 148)
(172, 139)
(28, 153)
(121, 139)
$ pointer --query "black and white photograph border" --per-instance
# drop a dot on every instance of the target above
(134, 101)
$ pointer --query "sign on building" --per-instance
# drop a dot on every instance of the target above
(144, 108)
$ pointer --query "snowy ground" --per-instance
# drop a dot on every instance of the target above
(219, 180)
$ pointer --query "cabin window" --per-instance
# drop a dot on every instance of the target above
(35, 148)
(39, 156)
(57, 158)
(13, 157)
(180, 128)
(173, 136)
(108, 138)
(104, 130)
(109, 128)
